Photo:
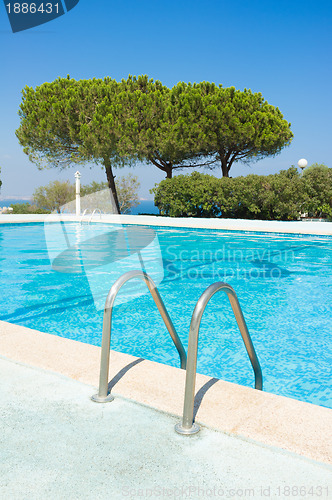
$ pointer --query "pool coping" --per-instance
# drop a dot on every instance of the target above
(286, 227)
(291, 425)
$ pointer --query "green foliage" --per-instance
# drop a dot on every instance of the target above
(127, 188)
(282, 196)
(118, 123)
(271, 197)
(194, 195)
(316, 167)
(53, 196)
(318, 186)
(27, 208)
(238, 125)
(69, 121)
(57, 194)
(200, 124)
(94, 187)
(162, 127)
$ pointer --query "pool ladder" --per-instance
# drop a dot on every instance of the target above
(96, 210)
(187, 425)
(104, 395)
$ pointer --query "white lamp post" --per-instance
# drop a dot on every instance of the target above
(78, 192)
(302, 164)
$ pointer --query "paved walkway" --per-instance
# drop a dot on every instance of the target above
(56, 444)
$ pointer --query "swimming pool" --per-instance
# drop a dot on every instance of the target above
(283, 283)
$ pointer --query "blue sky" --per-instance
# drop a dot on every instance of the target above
(279, 48)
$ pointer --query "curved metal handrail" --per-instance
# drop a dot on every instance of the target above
(93, 213)
(83, 214)
(103, 395)
(188, 426)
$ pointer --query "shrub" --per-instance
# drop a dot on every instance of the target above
(281, 196)
(318, 187)
(27, 208)
(194, 195)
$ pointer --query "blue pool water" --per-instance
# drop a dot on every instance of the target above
(283, 283)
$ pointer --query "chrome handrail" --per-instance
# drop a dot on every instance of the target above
(103, 395)
(188, 426)
(83, 214)
(93, 213)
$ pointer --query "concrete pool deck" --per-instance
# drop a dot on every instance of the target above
(249, 439)
(57, 444)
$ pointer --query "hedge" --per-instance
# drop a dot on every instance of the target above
(282, 196)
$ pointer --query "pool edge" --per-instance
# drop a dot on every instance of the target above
(284, 227)
(294, 426)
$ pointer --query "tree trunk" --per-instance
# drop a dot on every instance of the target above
(169, 172)
(224, 167)
(111, 183)
(163, 165)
